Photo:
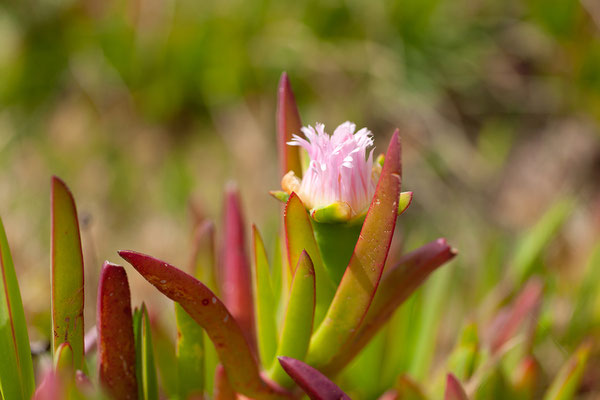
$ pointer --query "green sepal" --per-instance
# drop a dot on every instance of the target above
(145, 366)
(280, 195)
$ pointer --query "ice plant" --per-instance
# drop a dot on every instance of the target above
(320, 318)
(340, 174)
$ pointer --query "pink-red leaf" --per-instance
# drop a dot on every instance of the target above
(360, 281)
(116, 344)
(509, 322)
(288, 123)
(454, 390)
(236, 276)
(316, 385)
(208, 311)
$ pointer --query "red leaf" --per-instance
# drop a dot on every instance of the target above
(116, 345)
(208, 311)
(454, 390)
(236, 275)
(288, 123)
(316, 385)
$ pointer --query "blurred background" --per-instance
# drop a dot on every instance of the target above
(147, 108)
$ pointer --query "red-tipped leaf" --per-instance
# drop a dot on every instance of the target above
(454, 390)
(397, 284)
(360, 281)
(288, 123)
(316, 385)
(236, 276)
(208, 311)
(116, 344)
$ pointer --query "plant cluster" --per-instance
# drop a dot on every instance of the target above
(315, 320)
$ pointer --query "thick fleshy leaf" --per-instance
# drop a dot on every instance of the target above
(63, 359)
(454, 390)
(67, 273)
(223, 390)
(316, 385)
(404, 201)
(16, 368)
(266, 307)
(50, 388)
(397, 284)
(145, 366)
(236, 277)
(567, 381)
(288, 123)
(300, 237)
(116, 343)
(360, 281)
(190, 355)
(526, 377)
(298, 322)
(208, 311)
(511, 320)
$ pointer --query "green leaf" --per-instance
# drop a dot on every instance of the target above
(16, 368)
(67, 273)
(299, 237)
(208, 311)
(190, 355)
(568, 379)
(298, 322)
(358, 286)
(266, 307)
(116, 343)
(145, 366)
(533, 243)
(288, 123)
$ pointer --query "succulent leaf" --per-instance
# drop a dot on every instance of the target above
(67, 273)
(236, 276)
(288, 123)
(316, 385)
(266, 307)
(454, 390)
(357, 288)
(300, 237)
(116, 343)
(298, 322)
(16, 368)
(208, 311)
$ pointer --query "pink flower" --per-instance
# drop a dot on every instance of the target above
(339, 172)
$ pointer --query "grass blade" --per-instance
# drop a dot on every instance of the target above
(116, 343)
(266, 307)
(298, 322)
(16, 368)
(360, 281)
(67, 273)
(568, 379)
(145, 367)
(208, 311)
(190, 355)
(316, 385)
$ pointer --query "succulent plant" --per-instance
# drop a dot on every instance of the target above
(314, 320)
